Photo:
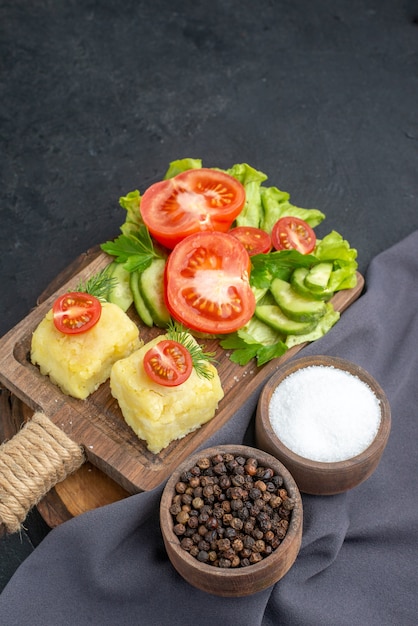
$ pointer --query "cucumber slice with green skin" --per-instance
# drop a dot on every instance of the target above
(272, 315)
(296, 307)
(297, 280)
(120, 292)
(318, 277)
(139, 303)
(151, 286)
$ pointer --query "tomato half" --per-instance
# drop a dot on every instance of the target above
(207, 283)
(168, 363)
(76, 312)
(254, 240)
(196, 200)
(292, 232)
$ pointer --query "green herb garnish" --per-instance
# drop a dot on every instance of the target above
(177, 332)
(243, 351)
(98, 285)
(136, 251)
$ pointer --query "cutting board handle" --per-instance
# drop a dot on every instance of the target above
(38, 457)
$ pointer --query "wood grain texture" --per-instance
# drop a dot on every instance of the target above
(97, 423)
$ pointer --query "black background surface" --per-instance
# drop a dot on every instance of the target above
(98, 97)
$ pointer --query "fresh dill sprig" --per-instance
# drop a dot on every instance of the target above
(200, 357)
(98, 285)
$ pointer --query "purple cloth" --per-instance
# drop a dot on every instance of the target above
(358, 562)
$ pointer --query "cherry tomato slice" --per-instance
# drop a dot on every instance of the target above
(168, 363)
(76, 312)
(254, 240)
(193, 201)
(293, 233)
(207, 283)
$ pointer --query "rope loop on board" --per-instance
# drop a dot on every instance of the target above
(38, 457)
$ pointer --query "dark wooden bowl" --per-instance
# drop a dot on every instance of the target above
(242, 581)
(315, 477)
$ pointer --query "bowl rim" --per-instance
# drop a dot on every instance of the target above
(300, 461)
(294, 530)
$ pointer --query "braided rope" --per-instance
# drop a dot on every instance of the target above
(31, 463)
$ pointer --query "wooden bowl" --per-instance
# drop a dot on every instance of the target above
(322, 477)
(234, 581)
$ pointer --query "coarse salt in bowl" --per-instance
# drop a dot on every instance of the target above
(327, 420)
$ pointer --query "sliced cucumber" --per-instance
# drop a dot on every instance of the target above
(318, 277)
(140, 305)
(120, 292)
(272, 315)
(296, 307)
(151, 286)
(297, 281)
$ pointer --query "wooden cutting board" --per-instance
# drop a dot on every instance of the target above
(97, 423)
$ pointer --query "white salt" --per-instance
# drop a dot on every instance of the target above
(324, 414)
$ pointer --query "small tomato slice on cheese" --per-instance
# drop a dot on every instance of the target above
(76, 312)
(168, 363)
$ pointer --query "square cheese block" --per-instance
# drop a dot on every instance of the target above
(80, 363)
(159, 414)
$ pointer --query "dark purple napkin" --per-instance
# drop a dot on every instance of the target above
(358, 564)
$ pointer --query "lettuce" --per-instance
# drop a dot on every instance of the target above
(265, 205)
(277, 264)
(181, 165)
(276, 205)
(131, 203)
(251, 179)
(336, 249)
(326, 322)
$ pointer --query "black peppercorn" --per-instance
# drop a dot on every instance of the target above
(251, 466)
(175, 508)
(179, 529)
(212, 523)
(186, 543)
(181, 487)
(194, 551)
(193, 522)
(203, 463)
(229, 511)
(230, 533)
(255, 557)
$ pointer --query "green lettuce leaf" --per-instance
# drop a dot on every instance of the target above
(252, 213)
(181, 165)
(326, 322)
(336, 249)
(133, 221)
(244, 348)
(276, 205)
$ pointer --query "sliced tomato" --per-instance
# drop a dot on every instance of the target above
(207, 283)
(76, 312)
(196, 200)
(254, 240)
(168, 363)
(292, 232)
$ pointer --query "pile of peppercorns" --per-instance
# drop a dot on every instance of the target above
(229, 511)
